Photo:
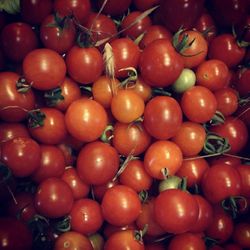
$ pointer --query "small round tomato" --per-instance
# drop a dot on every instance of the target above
(97, 163)
(244, 172)
(143, 5)
(21, 155)
(44, 69)
(120, 205)
(241, 234)
(162, 117)
(190, 138)
(71, 241)
(86, 119)
(87, 58)
(53, 198)
(182, 211)
(198, 104)
(86, 216)
(162, 156)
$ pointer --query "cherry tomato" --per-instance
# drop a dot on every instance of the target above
(71, 241)
(160, 65)
(120, 205)
(86, 119)
(44, 69)
(242, 85)
(182, 210)
(87, 58)
(14, 105)
(162, 156)
(97, 163)
(241, 234)
(143, 5)
(244, 172)
(198, 104)
(53, 198)
(190, 138)
(17, 40)
(21, 155)
(162, 117)
(86, 216)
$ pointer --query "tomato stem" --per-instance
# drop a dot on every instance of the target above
(53, 96)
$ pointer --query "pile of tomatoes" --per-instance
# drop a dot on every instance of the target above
(124, 124)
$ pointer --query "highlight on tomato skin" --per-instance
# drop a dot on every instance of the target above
(124, 125)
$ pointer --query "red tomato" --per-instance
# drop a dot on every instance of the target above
(52, 164)
(120, 205)
(198, 104)
(213, 74)
(44, 69)
(147, 217)
(241, 234)
(244, 172)
(220, 182)
(14, 235)
(123, 240)
(71, 241)
(86, 119)
(17, 40)
(182, 210)
(57, 36)
(127, 106)
(135, 176)
(79, 8)
(86, 216)
(14, 105)
(162, 117)
(187, 241)
(138, 28)
(162, 155)
(87, 58)
(125, 54)
(53, 130)
(190, 138)
(97, 163)
(193, 170)
(242, 81)
(21, 155)
(160, 65)
(143, 5)
(53, 198)
(235, 131)
(114, 9)
(79, 188)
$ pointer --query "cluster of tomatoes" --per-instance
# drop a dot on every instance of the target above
(124, 125)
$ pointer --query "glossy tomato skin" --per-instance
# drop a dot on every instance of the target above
(71, 241)
(57, 38)
(34, 11)
(86, 216)
(235, 131)
(123, 240)
(22, 156)
(17, 40)
(175, 14)
(162, 117)
(88, 58)
(198, 104)
(14, 235)
(79, 8)
(120, 205)
(53, 131)
(52, 163)
(224, 47)
(241, 234)
(126, 54)
(14, 105)
(182, 210)
(53, 198)
(130, 138)
(219, 182)
(44, 69)
(162, 155)
(160, 65)
(79, 188)
(187, 241)
(97, 163)
(86, 119)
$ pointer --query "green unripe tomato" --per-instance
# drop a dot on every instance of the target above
(185, 81)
